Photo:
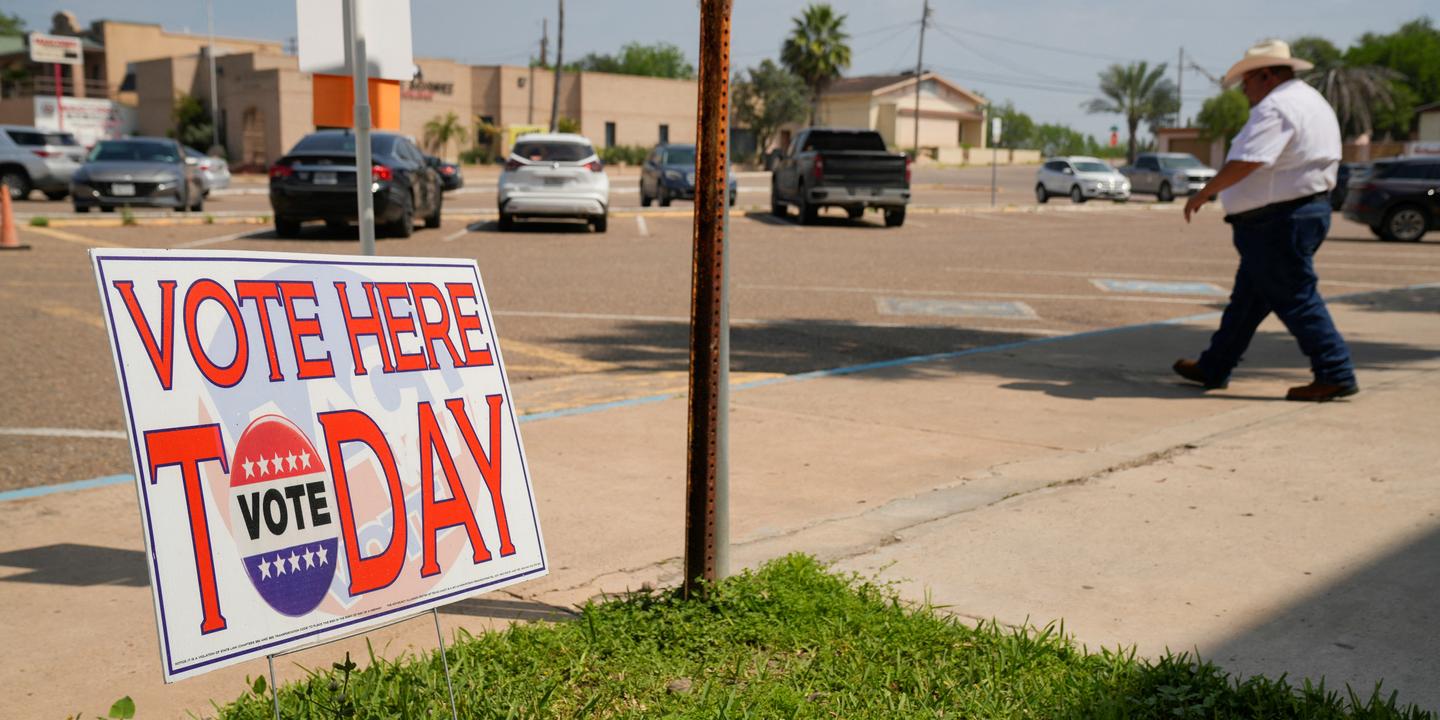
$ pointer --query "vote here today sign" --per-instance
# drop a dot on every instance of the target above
(322, 444)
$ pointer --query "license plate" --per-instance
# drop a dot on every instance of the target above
(126, 189)
(555, 180)
(324, 178)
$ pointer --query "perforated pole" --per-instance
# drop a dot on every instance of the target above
(703, 494)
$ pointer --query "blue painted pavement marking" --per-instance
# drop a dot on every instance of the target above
(32, 492)
(1161, 288)
(955, 308)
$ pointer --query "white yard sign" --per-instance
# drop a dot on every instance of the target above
(322, 444)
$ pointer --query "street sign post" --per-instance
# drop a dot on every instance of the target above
(995, 127)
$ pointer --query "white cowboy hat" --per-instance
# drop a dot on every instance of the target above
(1268, 53)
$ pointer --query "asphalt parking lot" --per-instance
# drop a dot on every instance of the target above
(585, 317)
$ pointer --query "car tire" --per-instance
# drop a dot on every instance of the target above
(507, 222)
(895, 217)
(1165, 194)
(82, 208)
(56, 194)
(1404, 223)
(286, 228)
(337, 226)
(18, 181)
(600, 222)
(808, 213)
(664, 197)
(198, 205)
(432, 220)
(644, 199)
(107, 208)
(1042, 195)
(1077, 195)
(777, 208)
(404, 226)
(855, 213)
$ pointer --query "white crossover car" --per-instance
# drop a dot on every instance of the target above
(1081, 178)
(553, 175)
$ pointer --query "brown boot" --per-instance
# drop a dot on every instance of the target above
(1321, 392)
(1190, 370)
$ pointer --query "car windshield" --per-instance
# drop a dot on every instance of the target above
(1094, 167)
(134, 151)
(36, 138)
(680, 156)
(1180, 162)
(552, 151)
(343, 143)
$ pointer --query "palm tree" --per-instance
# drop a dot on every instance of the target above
(441, 130)
(1355, 91)
(816, 51)
(1137, 91)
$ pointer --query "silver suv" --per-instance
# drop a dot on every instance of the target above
(1081, 178)
(1166, 175)
(34, 159)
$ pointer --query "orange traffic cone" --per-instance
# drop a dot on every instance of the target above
(9, 237)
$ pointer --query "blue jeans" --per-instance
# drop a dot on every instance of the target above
(1277, 273)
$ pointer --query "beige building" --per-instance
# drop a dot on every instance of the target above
(951, 118)
(1429, 123)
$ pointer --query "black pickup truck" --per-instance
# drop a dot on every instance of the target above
(840, 168)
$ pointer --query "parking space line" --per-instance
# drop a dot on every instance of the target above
(640, 223)
(452, 237)
(611, 316)
(72, 237)
(1135, 276)
(569, 361)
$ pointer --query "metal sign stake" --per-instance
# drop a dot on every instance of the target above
(274, 691)
(454, 713)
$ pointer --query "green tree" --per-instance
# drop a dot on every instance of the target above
(1413, 51)
(659, 60)
(816, 50)
(442, 129)
(1356, 92)
(193, 125)
(11, 24)
(1053, 139)
(1017, 130)
(1222, 116)
(766, 98)
(1137, 92)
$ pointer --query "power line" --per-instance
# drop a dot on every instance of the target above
(1038, 46)
(1002, 63)
(895, 34)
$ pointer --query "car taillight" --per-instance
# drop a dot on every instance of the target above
(280, 170)
(46, 153)
(818, 169)
(593, 166)
(380, 172)
(513, 164)
(909, 163)
(447, 170)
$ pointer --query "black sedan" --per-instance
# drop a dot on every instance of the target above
(450, 175)
(669, 174)
(1399, 199)
(316, 181)
(149, 172)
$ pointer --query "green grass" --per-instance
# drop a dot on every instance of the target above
(39, 221)
(792, 641)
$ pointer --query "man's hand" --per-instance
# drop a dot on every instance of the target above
(1196, 202)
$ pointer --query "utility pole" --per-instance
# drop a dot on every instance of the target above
(919, 67)
(559, 61)
(544, 60)
(214, 92)
(1180, 90)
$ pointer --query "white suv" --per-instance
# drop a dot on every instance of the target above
(553, 175)
(1081, 178)
(34, 159)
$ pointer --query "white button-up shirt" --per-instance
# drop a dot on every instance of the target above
(1294, 133)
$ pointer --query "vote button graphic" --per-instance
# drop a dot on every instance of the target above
(282, 515)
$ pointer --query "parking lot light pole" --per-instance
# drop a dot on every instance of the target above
(705, 490)
(360, 71)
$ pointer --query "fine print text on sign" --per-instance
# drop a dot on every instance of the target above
(322, 444)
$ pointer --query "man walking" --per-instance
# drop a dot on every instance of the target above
(1274, 187)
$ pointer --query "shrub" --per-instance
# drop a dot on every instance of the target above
(126, 217)
(39, 221)
(624, 154)
(477, 156)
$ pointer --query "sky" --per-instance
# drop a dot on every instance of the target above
(1043, 55)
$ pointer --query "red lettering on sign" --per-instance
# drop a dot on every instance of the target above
(188, 447)
(301, 328)
(404, 362)
(437, 329)
(222, 376)
(358, 326)
(464, 323)
(437, 515)
(372, 573)
(162, 355)
(489, 464)
(261, 292)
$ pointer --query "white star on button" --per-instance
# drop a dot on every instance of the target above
(290, 458)
(249, 467)
(309, 558)
(305, 459)
(264, 566)
(323, 553)
(279, 565)
(294, 561)
(264, 465)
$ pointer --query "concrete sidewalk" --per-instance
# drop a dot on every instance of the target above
(1065, 478)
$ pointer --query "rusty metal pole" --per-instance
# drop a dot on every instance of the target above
(702, 492)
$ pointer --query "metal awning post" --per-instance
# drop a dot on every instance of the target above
(705, 490)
